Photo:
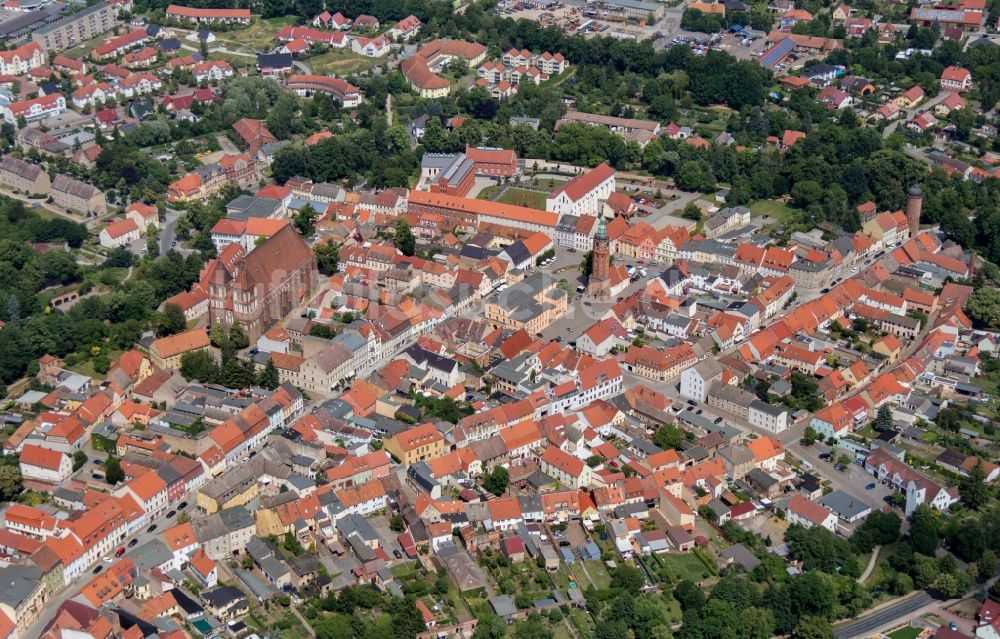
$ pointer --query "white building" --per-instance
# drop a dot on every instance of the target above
(772, 418)
(695, 380)
(44, 464)
(120, 233)
(584, 194)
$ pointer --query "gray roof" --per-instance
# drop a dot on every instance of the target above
(223, 595)
(73, 17)
(17, 583)
(76, 188)
(770, 409)
(843, 505)
(741, 556)
(151, 554)
(503, 606)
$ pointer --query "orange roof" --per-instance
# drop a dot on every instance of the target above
(562, 460)
(504, 508)
(180, 536)
(816, 513)
(39, 457)
(584, 183)
(359, 494)
(418, 436)
(483, 208)
(765, 448)
(181, 343)
(263, 226)
(202, 563)
(147, 486)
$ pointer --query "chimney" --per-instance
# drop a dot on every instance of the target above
(914, 204)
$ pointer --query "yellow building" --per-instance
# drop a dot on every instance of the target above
(531, 304)
(420, 443)
(236, 487)
(166, 352)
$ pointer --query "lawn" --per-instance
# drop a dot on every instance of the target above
(906, 632)
(773, 209)
(488, 192)
(686, 566)
(237, 61)
(86, 367)
(259, 35)
(523, 197)
(342, 63)
(598, 574)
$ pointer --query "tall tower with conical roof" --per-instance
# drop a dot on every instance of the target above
(599, 285)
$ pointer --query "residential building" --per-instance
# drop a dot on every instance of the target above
(74, 195)
(44, 464)
(420, 443)
(76, 27)
(119, 233)
(24, 177)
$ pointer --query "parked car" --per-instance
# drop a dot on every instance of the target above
(870, 486)
(98, 569)
(171, 514)
(182, 505)
(120, 551)
(132, 543)
(151, 528)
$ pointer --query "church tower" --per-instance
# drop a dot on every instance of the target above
(600, 275)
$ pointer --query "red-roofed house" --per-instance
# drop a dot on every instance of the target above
(956, 79)
(44, 464)
(120, 233)
(565, 468)
(149, 491)
(808, 513)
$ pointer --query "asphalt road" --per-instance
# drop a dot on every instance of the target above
(890, 614)
(169, 230)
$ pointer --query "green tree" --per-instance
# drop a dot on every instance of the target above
(883, 419)
(627, 578)
(268, 376)
(810, 435)
(79, 459)
(812, 627)
(11, 482)
(171, 321)
(113, 472)
(983, 308)
(689, 596)
(327, 256)
(669, 437)
(972, 488)
(305, 220)
(987, 564)
(497, 480)
(404, 239)
(396, 523)
(953, 584)
(924, 531)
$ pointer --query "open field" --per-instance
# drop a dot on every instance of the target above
(773, 209)
(523, 197)
(342, 63)
(259, 34)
